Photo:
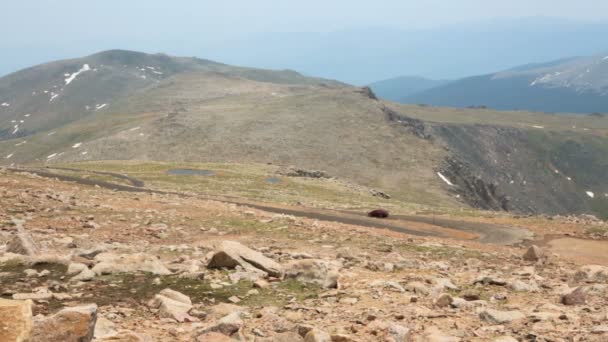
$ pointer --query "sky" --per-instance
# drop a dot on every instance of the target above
(43, 19)
(35, 31)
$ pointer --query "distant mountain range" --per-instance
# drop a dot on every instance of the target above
(573, 85)
(356, 56)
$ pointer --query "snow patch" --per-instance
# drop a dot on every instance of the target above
(51, 156)
(16, 129)
(10, 156)
(590, 194)
(4, 104)
(134, 128)
(72, 77)
(52, 133)
(84, 153)
(539, 127)
(100, 106)
(21, 143)
(77, 145)
(53, 97)
(447, 181)
(27, 115)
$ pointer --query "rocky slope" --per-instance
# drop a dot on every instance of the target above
(80, 262)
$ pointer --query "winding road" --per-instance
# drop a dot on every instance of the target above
(413, 225)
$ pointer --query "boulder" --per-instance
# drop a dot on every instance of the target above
(444, 300)
(501, 317)
(533, 254)
(174, 305)
(228, 325)
(84, 275)
(109, 263)
(316, 335)
(231, 254)
(389, 331)
(574, 297)
(15, 320)
(314, 271)
(592, 274)
(76, 324)
(22, 244)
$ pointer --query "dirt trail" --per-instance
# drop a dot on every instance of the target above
(413, 225)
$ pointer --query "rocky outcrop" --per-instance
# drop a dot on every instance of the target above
(417, 127)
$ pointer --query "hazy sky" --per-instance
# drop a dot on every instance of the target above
(36, 31)
(37, 20)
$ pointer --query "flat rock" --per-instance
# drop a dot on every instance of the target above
(500, 317)
(15, 320)
(76, 324)
(109, 263)
(174, 305)
(231, 254)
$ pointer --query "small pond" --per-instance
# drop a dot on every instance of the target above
(273, 180)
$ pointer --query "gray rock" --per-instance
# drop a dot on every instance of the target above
(109, 263)
(500, 317)
(22, 243)
(231, 254)
(533, 254)
(314, 271)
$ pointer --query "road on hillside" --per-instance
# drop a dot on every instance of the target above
(436, 227)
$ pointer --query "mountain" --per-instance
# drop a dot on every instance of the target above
(576, 85)
(398, 88)
(122, 105)
(359, 56)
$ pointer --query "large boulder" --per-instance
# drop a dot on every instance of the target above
(76, 324)
(314, 271)
(23, 244)
(15, 320)
(231, 254)
(109, 263)
(174, 305)
(574, 297)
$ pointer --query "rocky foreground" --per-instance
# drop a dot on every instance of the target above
(81, 264)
